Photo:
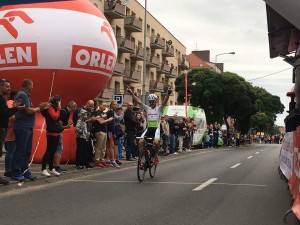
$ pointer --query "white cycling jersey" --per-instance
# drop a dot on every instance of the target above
(153, 119)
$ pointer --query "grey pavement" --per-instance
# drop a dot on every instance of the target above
(206, 187)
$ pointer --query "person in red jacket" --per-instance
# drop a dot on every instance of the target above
(53, 131)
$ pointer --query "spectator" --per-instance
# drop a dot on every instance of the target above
(165, 134)
(139, 130)
(82, 139)
(216, 135)
(119, 132)
(89, 107)
(173, 125)
(100, 121)
(211, 135)
(10, 139)
(181, 134)
(5, 113)
(130, 129)
(23, 129)
(64, 118)
(53, 131)
(110, 149)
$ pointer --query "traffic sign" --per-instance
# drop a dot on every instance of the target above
(119, 99)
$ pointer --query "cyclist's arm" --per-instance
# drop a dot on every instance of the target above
(165, 100)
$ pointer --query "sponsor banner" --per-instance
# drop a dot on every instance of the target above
(294, 177)
(286, 155)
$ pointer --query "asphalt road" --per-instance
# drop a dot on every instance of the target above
(235, 186)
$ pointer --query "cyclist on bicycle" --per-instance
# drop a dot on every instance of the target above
(153, 119)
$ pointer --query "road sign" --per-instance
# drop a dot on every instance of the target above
(119, 99)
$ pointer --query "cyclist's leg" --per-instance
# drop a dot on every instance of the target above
(141, 141)
(157, 141)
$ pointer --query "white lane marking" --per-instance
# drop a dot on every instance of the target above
(249, 157)
(256, 153)
(235, 166)
(205, 184)
(166, 183)
(262, 150)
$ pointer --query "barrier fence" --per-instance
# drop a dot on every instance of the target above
(289, 160)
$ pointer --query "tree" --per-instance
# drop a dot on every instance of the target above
(262, 121)
(227, 95)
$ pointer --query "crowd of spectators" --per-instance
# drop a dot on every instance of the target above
(102, 133)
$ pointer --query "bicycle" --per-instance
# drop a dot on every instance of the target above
(146, 160)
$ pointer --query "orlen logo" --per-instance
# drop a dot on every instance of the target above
(92, 59)
(9, 17)
(18, 54)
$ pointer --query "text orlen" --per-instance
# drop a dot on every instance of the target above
(18, 54)
(92, 59)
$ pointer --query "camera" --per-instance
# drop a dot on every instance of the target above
(169, 91)
(130, 91)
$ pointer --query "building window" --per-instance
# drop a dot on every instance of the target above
(117, 87)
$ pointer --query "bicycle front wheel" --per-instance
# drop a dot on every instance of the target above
(152, 167)
(141, 166)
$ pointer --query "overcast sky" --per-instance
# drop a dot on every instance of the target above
(224, 26)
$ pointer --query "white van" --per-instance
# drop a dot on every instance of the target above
(196, 113)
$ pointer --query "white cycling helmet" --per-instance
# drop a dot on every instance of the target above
(152, 97)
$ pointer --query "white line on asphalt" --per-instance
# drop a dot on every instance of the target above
(262, 150)
(168, 183)
(235, 166)
(256, 153)
(249, 157)
(205, 184)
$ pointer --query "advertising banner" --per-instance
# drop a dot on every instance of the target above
(286, 155)
(294, 177)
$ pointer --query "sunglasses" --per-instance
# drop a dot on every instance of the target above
(4, 81)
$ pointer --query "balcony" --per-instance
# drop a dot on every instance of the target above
(107, 94)
(114, 10)
(138, 54)
(153, 61)
(173, 73)
(125, 45)
(157, 43)
(132, 76)
(133, 24)
(164, 69)
(168, 52)
(119, 69)
(155, 86)
(183, 64)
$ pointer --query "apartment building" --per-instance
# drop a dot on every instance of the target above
(201, 59)
(165, 55)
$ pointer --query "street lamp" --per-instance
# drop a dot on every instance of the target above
(216, 58)
(144, 59)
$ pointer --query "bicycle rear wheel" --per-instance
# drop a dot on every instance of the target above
(141, 166)
(152, 167)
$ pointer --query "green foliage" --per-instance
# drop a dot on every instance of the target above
(228, 94)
